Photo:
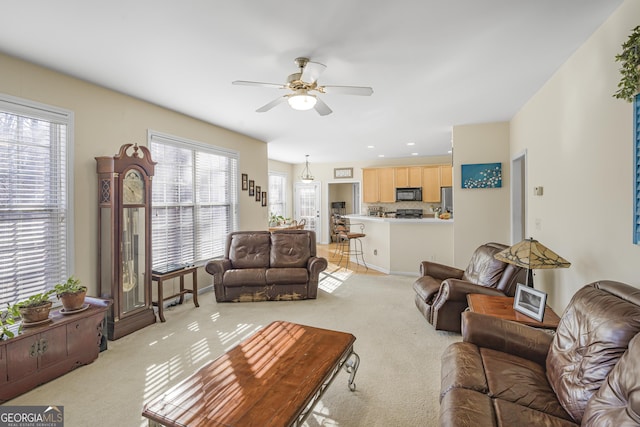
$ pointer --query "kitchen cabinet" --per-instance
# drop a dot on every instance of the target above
(378, 185)
(42, 353)
(446, 176)
(431, 184)
(408, 176)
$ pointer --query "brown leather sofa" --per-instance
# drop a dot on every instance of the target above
(267, 266)
(508, 374)
(441, 291)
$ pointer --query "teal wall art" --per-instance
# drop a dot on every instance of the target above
(482, 175)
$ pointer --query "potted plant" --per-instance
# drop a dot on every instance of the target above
(275, 220)
(35, 308)
(7, 322)
(71, 293)
(629, 84)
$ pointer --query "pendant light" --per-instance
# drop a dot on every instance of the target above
(306, 176)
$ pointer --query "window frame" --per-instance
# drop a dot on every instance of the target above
(285, 177)
(53, 114)
(233, 181)
(636, 169)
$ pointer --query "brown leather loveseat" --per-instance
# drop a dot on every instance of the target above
(267, 266)
(588, 373)
(441, 291)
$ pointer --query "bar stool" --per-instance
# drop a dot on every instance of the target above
(346, 248)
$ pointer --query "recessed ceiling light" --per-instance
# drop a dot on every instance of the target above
(414, 154)
(380, 155)
(411, 143)
(371, 146)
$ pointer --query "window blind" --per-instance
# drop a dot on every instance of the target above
(35, 218)
(277, 193)
(194, 200)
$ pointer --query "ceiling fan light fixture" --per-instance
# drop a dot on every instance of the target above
(302, 101)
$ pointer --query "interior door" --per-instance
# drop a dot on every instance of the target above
(518, 198)
(306, 205)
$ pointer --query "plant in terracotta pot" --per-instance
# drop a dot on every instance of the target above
(35, 308)
(71, 293)
(629, 58)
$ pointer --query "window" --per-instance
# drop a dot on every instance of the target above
(36, 221)
(636, 184)
(195, 200)
(277, 193)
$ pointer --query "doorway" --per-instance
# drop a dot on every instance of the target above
(306, 205)
(518, 198)
(344, 199)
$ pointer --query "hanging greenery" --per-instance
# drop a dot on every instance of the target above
(630, 71)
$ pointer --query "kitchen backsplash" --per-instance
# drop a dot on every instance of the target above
(392, 207)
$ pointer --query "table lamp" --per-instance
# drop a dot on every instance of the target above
(531, 254)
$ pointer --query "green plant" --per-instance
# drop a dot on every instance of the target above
(629, 84)
(35, 300)
(7, 320)
(274, 218)
(71, 286)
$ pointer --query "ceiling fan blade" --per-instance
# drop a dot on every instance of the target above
(311, 71)
(246, 83)
(348, 90)
(272, 104)
(322, 108)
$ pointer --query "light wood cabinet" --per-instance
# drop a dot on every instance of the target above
(378, 185)
(446, 176)
(431, 184)
(408, 176)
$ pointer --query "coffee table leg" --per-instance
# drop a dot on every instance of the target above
(351, 366)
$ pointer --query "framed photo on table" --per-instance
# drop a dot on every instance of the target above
(530, 302)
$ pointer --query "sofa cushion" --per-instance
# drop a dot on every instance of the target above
(593, 333)
(290, 250)
(245, 277)
(249, 250)
(617, 402)
(287, 276)
(511, 414)
(484, 269)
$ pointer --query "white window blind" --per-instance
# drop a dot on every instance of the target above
(194, 200)
(35, 178)
(277, 193)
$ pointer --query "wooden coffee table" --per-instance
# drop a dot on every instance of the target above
(502, 307)
(273, 378)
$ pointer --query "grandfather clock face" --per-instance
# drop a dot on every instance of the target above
(133, 188)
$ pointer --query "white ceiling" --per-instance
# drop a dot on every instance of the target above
(432, 64)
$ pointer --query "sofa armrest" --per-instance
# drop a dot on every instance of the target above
(316, 265)
(216, 268)
(439, 271)
(506, 336)
(457, 290)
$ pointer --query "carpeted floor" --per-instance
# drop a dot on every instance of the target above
(398, 380)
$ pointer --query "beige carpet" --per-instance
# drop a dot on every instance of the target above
(397, 383)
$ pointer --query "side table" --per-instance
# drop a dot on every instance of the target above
(157, 277)
(502, 307)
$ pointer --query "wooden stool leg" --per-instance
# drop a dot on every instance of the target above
(195, 288)
(160, 301)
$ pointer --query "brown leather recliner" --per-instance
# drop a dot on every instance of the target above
(441, 291)
(267, 266)
(588, 374)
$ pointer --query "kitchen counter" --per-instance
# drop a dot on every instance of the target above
(399, 245)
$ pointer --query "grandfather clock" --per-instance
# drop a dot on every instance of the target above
(124, 238)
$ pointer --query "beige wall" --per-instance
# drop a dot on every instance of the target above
(480, 215)
(104, 120)
(579, 148)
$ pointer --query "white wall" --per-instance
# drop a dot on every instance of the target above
(104, 120)
(579, 146)
(480, 215)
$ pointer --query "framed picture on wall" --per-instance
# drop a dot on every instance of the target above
(258, 194)
(482, 175)
(264, 198)
(252, 187)
(245, 182)
(343, 172)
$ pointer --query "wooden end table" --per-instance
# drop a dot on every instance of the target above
(157, 277)
(273, 378)
(502, 307)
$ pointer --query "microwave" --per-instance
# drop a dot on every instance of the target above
(409, 194)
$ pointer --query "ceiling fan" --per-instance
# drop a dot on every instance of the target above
(301, 84)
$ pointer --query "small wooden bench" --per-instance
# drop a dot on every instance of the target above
(273, 378)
